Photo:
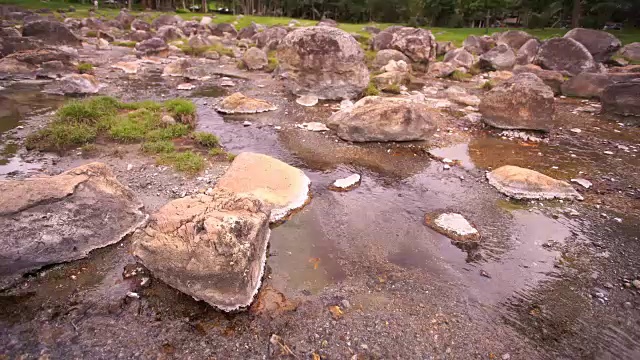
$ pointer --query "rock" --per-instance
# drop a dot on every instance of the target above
(307, 100)
(75, 84)
(601, 44)
(163, 20)
(138, 36)
(631, 52)
(460, 96)
(177, 68)
(223, 28)
(323, 61)
(514, 39)
(565, 54)
(51, 33)
(168, 120)
(212, 248)
(255, 59)
(582, 182)
(521, 183)
(139, 25)
(416, 43)
(200, 41)
(459, 57)
(384, 56)
(249, 32)
(444, 47)
(454, 226)
(478, 45)
(282, 187)
(185, 86)
(12, 68)
(590, 85)
(396, 66)
(206, 20)
(625, 69)
(553, 79)
(54, 219)
(39, 56)
(170, 33)
(636, 284)
(240, 104)
(346, 184)
(125, 19)
(269, 39)
(7, 32)
(11, 44)
(386, 119)
(622, 99)
(152, 47)
(102, 44)
(522, 102)
(527, 52)
(53, 69)
(441, 69)
(391, 81)
(328, 22)
(501, 57)
(314, 126)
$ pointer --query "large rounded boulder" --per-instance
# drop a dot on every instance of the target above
(631, 52)
(527, 52)
(514, 38)
(459, 57)
(622, 99)
(418, 44)
(600, 44)
(51, 33)
(565, 54)
(522, 102)
(269, 39)
(478, 45)
(501, 57)
(323, 61)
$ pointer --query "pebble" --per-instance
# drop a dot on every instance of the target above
(446, 167)
(246, 123)
(636, 284)
(576, 130)
(506, 357)
(608, 152)
(583, 182)
(129, 167)
(485, 274)
(627, 305)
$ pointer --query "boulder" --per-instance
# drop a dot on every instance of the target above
(102, 44)
(223, 28)
(460, 96)
(13, 69)
(255, 59)
(7, 32)
(190, 27)
(391, 80)
(514, 38)
(590, 85)
(527, 52)
(51, 33)
(601, 44)
(212, 248)
(384, 56)
(565, 54)
(237, 103)
(94, 24)
(478, 45)
(72, 23)
(163, 20)
(631, 52)
(521, 183)
(416, 43)
(386, 119)
(553, 79)
(269, 39)
(500, 57)
(441, 69)
(459, 58)
(53, 69)
(249, 32)
(127, 67)
(323, 61)
(622, 99)
(39, 56)
(328, 22)
(444, 47)
(625, 69)
(139, 36)
(396, 66)
(13, 44)
(54, 219)
(522, 102)
(282, 187)
(152, 47)
(200, 41)
(170, 33)
(138, 24)
(75, 84)
(125, 19)
(206, 20)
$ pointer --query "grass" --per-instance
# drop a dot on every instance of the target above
(393, 89)
(200, 50)
(272, 61)
(84, 68)
(129, 44)
(458, 75)
(80, 123)
(371, 90)
(488, 85)
(91, 33)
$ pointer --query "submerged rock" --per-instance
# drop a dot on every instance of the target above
(521, 183)
(237, 103)
(386, 119)
(210, 247)
(49, 220)
(282, 187)
(454, 226)
(307, 100)
(346, 184)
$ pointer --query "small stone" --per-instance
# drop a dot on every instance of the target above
(636, 284)
(485, 274)
(506, 357)
(576, 130)
(246, 123)
(345, 304)
(168, 120)
(73, 277)
(627, 305)
(347, 183)
(583, 182)
(227, 83)
(608, 152)
(133, 295)
(129, 167)
(446, 166)
(307, 100)
(186, 86)
(315, 126)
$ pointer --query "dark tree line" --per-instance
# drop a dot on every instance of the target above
(448, 13)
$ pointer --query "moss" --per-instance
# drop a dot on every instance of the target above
(167, 133)
(91, 33)
(369, 57)
(59, 136)
(241, 65)
(440, 58)
(458, 75)
(206, 139)
(129, 44)
(272, 61)
(183, 11)
(84, 68)
(475, 70)
(200, 50)
(216, 151)
(188, 161)
(158, 147)
(89, 111)
(488, 85)
(393, 89)
(231, 157)
(371, 90)
(183, 110)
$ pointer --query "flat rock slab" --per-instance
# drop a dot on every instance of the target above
(521, 183)
(346, 184)
(212, 248)
(283, 187)
(455, 227)
(61, 218)
(237, 103)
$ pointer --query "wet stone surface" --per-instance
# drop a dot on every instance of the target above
(357, 272)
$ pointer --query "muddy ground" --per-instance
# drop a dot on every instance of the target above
(550, 280)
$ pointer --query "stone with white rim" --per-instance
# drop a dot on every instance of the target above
(314, 126)
(237, 103)
(347, 183)
(307, 100)
(186, 86)
(521, 183)
(456, 227)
